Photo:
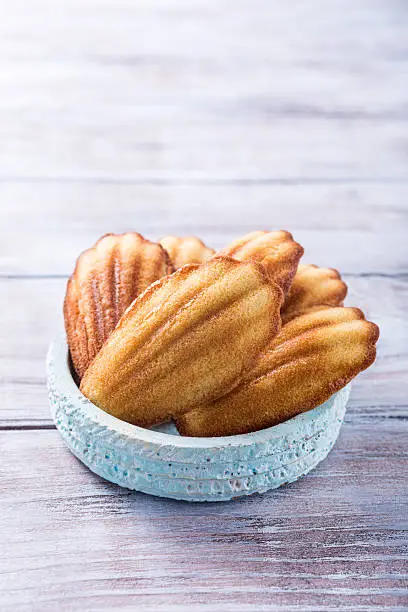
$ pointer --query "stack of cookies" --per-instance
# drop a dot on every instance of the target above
(222, 343)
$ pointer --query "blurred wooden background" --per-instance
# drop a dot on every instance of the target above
(212, 118)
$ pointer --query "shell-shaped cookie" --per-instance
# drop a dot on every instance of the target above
(106, 279)
(276, 251)
(312, 357)
(313, 286)
(187, 340)
(186, 250)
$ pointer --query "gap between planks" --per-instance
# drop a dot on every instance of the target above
(392, 275)
(197, 181)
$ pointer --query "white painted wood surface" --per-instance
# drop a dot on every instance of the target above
(215, 118)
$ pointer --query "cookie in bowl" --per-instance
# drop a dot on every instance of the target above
(203, 375)
(334, 344)
(188, 339)
(187, 250)
(106, 279)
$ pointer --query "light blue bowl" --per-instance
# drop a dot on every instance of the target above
(160, 462)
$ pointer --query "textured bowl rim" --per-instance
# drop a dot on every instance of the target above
(58, 366)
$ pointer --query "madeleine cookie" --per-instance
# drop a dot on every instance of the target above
(189, 250)
(313, 286)
(106, 279)
(186, 341)
(276, 251)
(313, 356)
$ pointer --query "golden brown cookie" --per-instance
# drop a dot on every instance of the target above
(106, 279)
(187, 340)
(313, 286)
(276, 251)
(312, 357)
(188, 250)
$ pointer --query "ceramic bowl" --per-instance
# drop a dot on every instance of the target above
(161, 462)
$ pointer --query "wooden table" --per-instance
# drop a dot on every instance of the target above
(212, 117)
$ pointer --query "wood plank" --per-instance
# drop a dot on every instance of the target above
(218, 91)
(334, 540)
(31, 314)
(202, 149)
(44, 226)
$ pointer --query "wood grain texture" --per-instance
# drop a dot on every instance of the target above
(220, 90)
(347, 227)
(72, 540)
(213, 118)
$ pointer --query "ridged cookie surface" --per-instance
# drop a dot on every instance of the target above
(313, 286)
(312, 357)
(187, 340)
(188, 250)
(276, 251)
(106, 279)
